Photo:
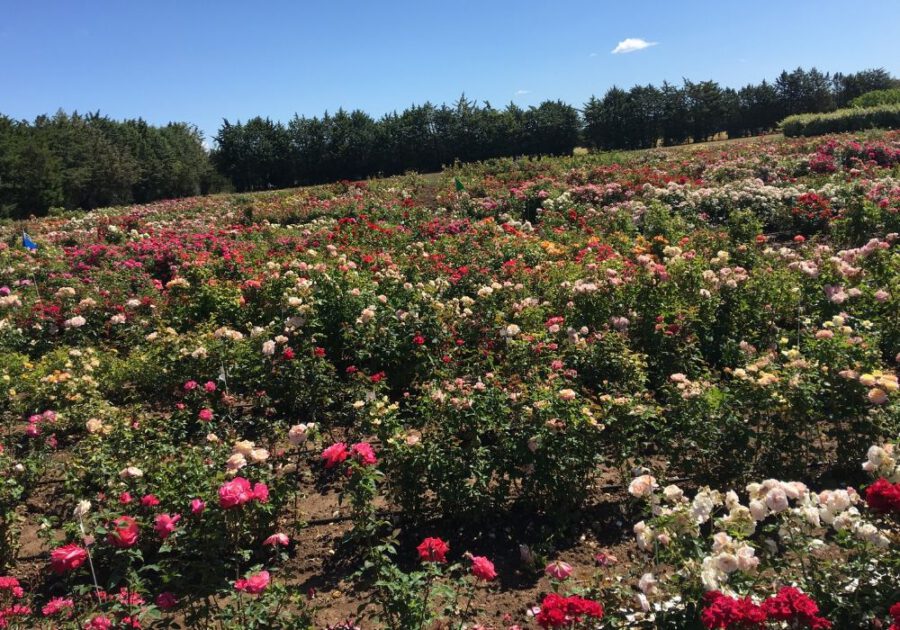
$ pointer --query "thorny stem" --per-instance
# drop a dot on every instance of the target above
(425, 600)
(90, 559)
(471, 592)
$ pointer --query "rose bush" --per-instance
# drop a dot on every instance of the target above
(482, 363)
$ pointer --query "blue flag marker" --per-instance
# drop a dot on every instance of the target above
(27, 243)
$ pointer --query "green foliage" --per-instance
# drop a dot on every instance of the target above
(877, 97)
(853, 119)
(74, 161)
(262, 154)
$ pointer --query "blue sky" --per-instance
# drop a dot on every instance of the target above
(204, 61)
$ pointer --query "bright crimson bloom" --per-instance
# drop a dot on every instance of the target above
(789, 605)
(895, 617)
(433, 550)
(558, 611)
(483, 569)
(731, 613)
(123, 532)
(335, 454)
(149, 500)
(883, 496)
(67, 558)
(253, 584)
(205, 415)
(165, 524)
(794, 606)
(364, 454)
(235, 493)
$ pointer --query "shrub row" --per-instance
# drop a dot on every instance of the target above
(877, 97)
(854, 119)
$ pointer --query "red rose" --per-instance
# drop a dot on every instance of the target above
(883, 496)
(335, 454)
(166, 600)
(792, 605)
(558, 611)
(123, 533)
(433, 550)
(67, 558)
(727, 612)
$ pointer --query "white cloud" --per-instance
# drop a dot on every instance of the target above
(592, 55)
(522, 92)
(631, 44)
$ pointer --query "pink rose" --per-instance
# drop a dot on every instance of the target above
(335, 454)
(67, 558)
(253, 584)
(261, 492)
(235, 493)
(363, 453)
(483, 569)
(558, 570)
(165, 524)
(99, 622)
(277, 540)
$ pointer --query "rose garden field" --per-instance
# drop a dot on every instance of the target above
(652, 389)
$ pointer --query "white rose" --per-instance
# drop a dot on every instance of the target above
(747, 560)
(758, 510)
(131, 472)
(776, 500)
(726, 563)
(642, 486)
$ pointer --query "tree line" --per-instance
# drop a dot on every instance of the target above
(74, 161)
(88, 161)
(262, 153)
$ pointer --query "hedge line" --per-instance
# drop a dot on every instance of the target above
(876, 98)
(853, 119)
